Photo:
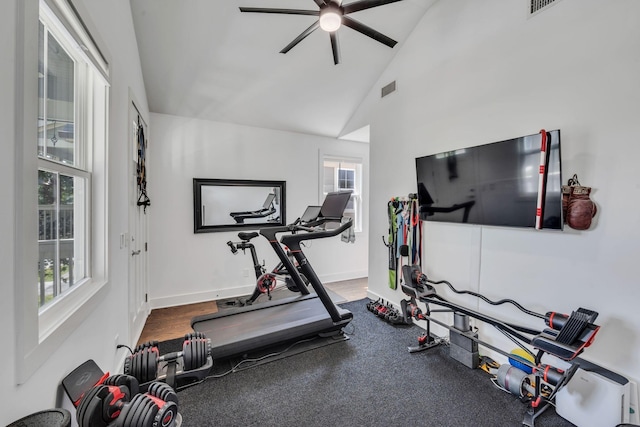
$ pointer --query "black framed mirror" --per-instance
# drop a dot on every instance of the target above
(237, 204)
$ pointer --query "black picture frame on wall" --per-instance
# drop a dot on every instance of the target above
(237, 204)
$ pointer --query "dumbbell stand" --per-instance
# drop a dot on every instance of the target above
(179, 377)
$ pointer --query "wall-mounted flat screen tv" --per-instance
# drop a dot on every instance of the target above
(492, 184)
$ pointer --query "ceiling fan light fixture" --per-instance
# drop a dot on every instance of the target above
(331, 15)
(330, 19)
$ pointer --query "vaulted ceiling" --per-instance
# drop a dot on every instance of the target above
(206, 59)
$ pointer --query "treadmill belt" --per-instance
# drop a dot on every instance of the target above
(237, 331)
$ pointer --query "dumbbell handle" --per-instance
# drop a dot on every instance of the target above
(555, 320)
(170, 356)
(172, 366)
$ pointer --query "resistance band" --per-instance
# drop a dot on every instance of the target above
(405, 235)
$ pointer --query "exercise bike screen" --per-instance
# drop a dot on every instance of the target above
(268, 201)
(334, 204)
(310, 214)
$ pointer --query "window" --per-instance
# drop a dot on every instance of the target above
(71, 113)
(345, 174)
(62, 248)
(71, 93)
(62, 215)
(63, 168)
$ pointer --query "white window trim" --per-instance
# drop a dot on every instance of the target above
(64, 11)
(334, 156)
(33, 345)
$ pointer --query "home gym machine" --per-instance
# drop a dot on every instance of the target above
(266, 210)
(267, 282)
(565, 338)
(237, 331)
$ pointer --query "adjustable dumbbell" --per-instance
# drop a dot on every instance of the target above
(195, 350)
(104, 402)
(158, 407)
(143, 363)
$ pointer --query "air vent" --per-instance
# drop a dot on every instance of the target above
(391, 87)
(536, 6)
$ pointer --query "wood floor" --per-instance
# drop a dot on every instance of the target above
(174, 322)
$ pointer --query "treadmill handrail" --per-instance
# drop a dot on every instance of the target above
(313, 233)
(270, 234)
(259, 211)
(293, 242)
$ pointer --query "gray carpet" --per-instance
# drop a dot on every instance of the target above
(369, 380)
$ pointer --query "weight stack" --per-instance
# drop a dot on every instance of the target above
(462, 346)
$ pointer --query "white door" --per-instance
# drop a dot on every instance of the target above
(137, 238)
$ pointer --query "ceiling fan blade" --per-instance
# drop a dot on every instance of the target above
(320, 3)
(366, 4)
(368, 31)
(301, 37)
(335, 47)
(280, 11)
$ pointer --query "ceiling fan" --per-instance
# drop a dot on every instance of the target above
(331, 16)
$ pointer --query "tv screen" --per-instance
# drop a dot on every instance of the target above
(492, 184)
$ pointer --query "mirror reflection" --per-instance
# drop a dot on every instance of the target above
(221, 205)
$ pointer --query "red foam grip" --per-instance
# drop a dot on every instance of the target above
(543, 144)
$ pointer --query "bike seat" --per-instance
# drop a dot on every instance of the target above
(247, 236)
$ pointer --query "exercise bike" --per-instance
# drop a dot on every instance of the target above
(266, 282)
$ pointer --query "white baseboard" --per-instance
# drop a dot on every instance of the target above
(238, 291)
(339, 277)
(372, 295)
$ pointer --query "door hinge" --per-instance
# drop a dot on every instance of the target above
(145, 247)
(146, 297)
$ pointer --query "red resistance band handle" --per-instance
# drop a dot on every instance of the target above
(542, 178)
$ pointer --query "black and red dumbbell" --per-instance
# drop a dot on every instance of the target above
(117, 402)
(158, 407)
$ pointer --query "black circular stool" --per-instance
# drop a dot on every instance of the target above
(58, 417)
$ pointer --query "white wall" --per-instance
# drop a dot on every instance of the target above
(94, 339)
(478, 72)
(187, 267)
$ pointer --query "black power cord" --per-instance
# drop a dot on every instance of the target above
(119, 346)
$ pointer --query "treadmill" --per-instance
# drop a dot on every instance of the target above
(266, 210)
(237, 331)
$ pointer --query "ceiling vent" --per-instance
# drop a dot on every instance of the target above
(391, 87)
(536, 6)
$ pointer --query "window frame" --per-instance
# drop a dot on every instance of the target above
(39, 336)
(81, 243)
(357, 193)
